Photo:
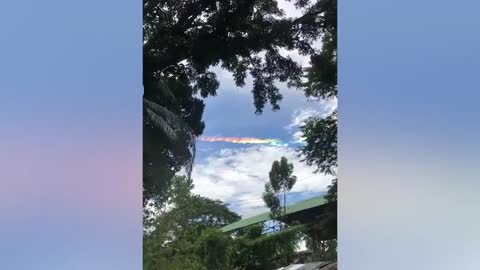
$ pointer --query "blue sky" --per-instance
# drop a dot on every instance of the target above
(236, 173)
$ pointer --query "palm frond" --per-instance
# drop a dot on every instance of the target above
(168, 116)
(160, 122)
(181, 137)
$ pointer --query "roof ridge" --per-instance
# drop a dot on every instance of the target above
(265, 216)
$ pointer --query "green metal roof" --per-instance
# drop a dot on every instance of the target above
(296, 207)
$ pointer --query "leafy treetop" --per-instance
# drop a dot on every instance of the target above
(184, 38)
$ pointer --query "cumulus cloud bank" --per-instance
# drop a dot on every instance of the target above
(300, 116)
(237, 176)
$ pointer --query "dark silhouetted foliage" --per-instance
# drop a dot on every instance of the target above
(281, 181)
(320, 147)
(183, 39)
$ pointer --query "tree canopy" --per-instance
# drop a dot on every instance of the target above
(187, 237)
(320, 147)
(178, 238)
(321, 134)
(251, 250)
(184, 39)
(172, 119)
(281, 181)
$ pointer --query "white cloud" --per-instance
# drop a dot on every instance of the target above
(300, 116)
(302, 60)
(289, 8)
(238, 176)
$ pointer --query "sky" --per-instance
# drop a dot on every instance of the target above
(237, 173)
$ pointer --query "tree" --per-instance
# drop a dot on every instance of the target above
(172, 119)
(320, 134)
(321, 82)
(183, 39)
(253, 251)
(270, 197)
(187, 37)
(320, 147)
(322, 74)
(281, 180)
(173, 241)
(213, 248)
(320, 150)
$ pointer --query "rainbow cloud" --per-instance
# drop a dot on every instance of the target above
(243, 140)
